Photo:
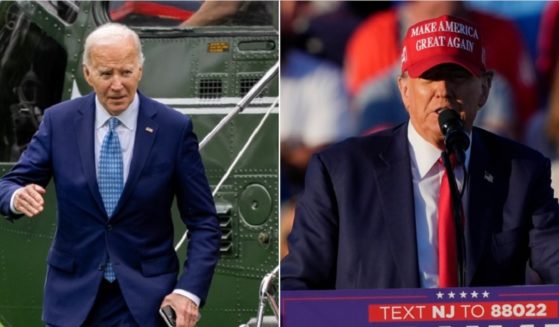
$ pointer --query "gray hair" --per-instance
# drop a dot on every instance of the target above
(111, 33)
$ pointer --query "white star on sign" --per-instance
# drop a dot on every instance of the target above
(451, 295)
(463, 295)
(474, 295)
(440, 295)
(485, 294)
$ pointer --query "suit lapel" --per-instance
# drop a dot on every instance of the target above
(85, 135)
(146, 131)
(478, 211)
(393, 173)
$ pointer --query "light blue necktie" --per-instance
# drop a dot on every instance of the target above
(110, 178)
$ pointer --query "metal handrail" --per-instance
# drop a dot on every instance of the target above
(232, 165)
(266, 296)
(251, 94)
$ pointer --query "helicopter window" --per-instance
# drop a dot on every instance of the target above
(67, 10)
(191, 14)
(32, 67)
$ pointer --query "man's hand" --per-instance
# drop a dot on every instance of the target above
(186, 310)
(29, 200)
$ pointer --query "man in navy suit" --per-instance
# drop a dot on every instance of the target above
(368, 216)
(114, 264)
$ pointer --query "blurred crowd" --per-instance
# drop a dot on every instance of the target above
(340, 61)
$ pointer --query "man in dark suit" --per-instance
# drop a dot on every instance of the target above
(369, 215)
(117, 159)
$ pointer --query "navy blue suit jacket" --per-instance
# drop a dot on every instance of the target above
(139, 236)
(354, 224)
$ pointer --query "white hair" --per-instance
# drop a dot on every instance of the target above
(111, 33)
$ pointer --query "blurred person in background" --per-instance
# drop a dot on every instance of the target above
(230, 13)
(548, 46)
(314, 105)
(542, 132)
(326, 33)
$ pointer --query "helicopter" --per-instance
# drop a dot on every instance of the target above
(220, 71)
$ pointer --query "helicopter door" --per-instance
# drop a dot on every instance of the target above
(32, 69)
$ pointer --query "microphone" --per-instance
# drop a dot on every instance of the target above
(455, 139)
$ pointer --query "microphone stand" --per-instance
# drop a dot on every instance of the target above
(457, 214)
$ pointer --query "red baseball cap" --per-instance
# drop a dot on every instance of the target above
(442, 40)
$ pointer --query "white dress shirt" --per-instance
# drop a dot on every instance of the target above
(427, 174)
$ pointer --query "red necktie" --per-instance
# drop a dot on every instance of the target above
(448, 271)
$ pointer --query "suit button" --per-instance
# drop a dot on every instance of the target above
(109, 227)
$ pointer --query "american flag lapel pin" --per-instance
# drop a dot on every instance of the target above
(488, 177)
(149, 129)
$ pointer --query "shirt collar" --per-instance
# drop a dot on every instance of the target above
(424, 154)
(128, 118)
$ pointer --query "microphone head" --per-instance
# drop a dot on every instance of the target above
(449, 118)
(452, 128)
